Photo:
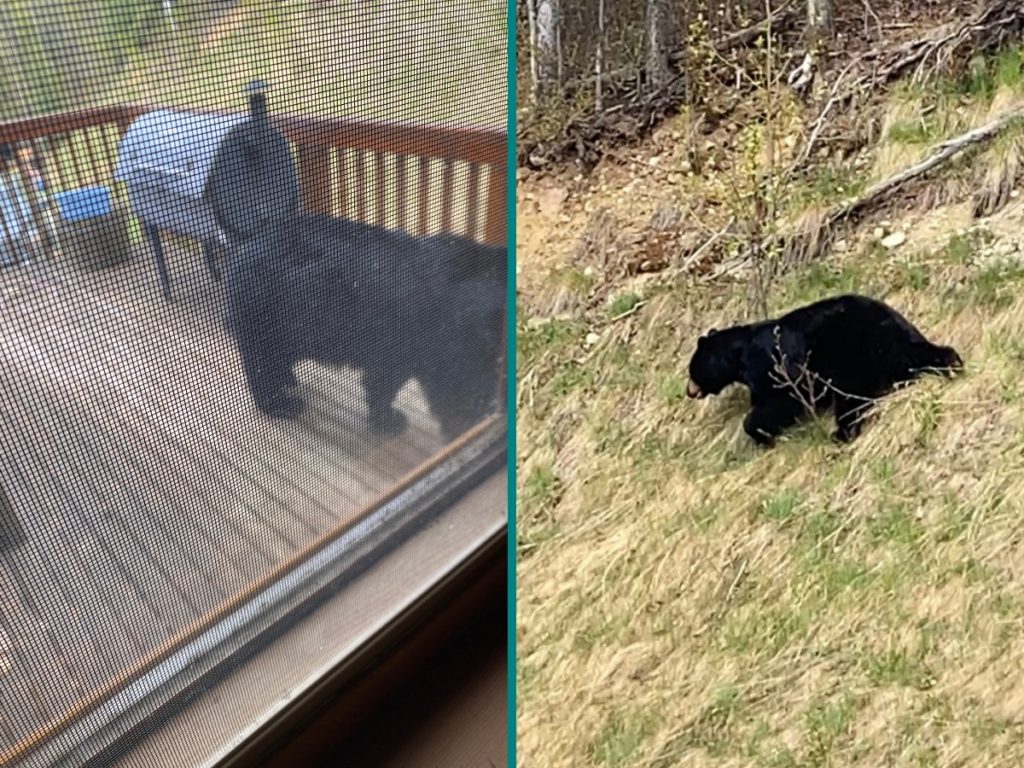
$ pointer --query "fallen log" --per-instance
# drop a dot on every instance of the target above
(812, 242)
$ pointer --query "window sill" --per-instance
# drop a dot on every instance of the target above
(257, 696)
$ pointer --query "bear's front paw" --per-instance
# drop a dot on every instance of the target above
(283, 405)
(758, 434)
(389, 423)
(844, 435)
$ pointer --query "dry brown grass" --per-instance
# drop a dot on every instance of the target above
(686, 599)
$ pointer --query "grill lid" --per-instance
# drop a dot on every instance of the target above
(253, 183)
(172, 150)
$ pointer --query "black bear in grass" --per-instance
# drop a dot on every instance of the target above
(840, 353)
(394, 306)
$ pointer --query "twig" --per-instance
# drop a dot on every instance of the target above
(631, 311)
(819, 123)
(775, 21)
(871, 12)
(692, 258)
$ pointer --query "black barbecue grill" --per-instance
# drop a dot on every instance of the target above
(219, 179)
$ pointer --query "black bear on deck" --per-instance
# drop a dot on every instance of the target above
(394, 306)
(839, 353)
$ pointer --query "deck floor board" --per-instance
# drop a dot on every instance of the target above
(151, 490)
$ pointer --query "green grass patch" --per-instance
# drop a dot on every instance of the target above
(580, 282)
(1008, 71)
(825, 724)
(834, 576)
(781, 507)
(927, 410)
(913, 132)
(893, 525)
(763, 631)
(961, 248)
(622, 736)
(672, 389)
(828, 184)
(917, 276)
(541, 489)
(820, 279)
(898, 668)
(995, 286)
(622, 304)
(820, 529)
(570, 376)
(713, 729)
(550, 337)
(622, 368)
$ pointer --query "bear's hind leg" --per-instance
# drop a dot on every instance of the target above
(456, 408)
(382, 387)
(850, 413)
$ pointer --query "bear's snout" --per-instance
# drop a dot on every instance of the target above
(692, 390)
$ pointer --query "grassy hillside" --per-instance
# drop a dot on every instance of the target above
(418, 61)
(686, 599)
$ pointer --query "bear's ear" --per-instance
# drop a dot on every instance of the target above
(709, 333)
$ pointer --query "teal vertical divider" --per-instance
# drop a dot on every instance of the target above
(511, 207)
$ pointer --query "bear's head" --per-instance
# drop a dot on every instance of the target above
(950, 361)
(714, 365)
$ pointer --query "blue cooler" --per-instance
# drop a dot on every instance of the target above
(82, 204)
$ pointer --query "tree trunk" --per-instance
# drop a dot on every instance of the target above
(531, 18)
(547, 43)
(820, 17)
(658, 45)
(169, 13)
(599, 56)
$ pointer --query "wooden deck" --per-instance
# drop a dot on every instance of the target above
(150, 489)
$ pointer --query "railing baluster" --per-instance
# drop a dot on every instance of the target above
(57, 145)
(8, 236)
(74, 161)
(447, 194)
(21, 189)
(342, 176)
(472, 200)
(41, 217)
(424, 196)
(360, 158)
(315, 177)
(380, 185)
(400, 194)
(106, 143)
(496, 228)
(90, 150)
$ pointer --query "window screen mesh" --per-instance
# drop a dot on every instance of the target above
(252, 278)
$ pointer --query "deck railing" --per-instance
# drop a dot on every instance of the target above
(412, 177)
